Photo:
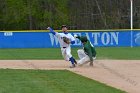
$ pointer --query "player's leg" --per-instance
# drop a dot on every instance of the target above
(84, 60)
(63, 51)
(69, 55)
(81, 53)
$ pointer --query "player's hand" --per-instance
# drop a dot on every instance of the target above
(75, 36)
(48, 28)
(91, 63)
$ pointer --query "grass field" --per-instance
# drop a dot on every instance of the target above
(54, 81)
(55, 53)
(40, 81)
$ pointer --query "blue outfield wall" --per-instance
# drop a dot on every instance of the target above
(47, 40)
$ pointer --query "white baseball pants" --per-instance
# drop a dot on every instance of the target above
(83, 57)
(66, 53)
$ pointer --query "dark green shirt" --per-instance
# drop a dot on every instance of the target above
(88, 47)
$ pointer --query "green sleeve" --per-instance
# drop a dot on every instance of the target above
(78, 37)
(89, 52)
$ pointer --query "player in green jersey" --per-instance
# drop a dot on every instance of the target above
(88, 53)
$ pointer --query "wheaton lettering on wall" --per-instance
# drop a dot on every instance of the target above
(48, 40)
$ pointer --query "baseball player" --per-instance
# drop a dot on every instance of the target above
(88, 53)
(65, 39)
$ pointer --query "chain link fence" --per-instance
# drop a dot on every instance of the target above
(103, 14)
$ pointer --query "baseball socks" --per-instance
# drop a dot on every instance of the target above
(72, 62)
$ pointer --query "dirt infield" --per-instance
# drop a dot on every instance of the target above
(122, 74)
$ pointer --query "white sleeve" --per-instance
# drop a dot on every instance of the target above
(58, 35)
(72, 38)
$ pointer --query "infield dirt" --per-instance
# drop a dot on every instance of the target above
(121, 74)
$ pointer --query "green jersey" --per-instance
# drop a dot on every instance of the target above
(88, 47)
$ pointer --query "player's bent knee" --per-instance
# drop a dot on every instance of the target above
(79, 51)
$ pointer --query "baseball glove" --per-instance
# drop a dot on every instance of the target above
(66, 40)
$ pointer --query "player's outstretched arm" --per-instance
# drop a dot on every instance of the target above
(72, 40)
(76, 36)
(51, 30)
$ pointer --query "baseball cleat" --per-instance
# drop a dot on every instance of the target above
(72, 66)
(75, 61)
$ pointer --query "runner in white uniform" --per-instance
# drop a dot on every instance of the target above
(65, 48)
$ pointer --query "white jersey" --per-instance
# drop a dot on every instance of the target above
(60, 39)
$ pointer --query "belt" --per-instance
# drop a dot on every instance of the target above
(64, 47)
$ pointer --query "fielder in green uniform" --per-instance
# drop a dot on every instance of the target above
(88, 53)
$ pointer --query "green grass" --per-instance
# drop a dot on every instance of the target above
(55, 53)
(49, 81)
(39, 81)
(119, 53)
